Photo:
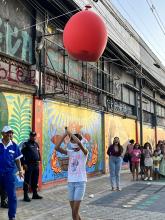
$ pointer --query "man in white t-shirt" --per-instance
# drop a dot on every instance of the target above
(77, 176)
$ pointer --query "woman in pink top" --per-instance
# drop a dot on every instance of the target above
(135, 159)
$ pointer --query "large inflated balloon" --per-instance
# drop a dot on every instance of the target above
(85, 36)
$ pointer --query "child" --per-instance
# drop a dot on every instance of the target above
(156, 163)
(148, 161)
(135, 160)
(77, 176)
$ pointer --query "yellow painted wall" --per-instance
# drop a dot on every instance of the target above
(122, 128)
(148, 134)
(160, 133)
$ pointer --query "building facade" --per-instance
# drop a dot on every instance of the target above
(43, 88)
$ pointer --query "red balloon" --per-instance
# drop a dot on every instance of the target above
(85, 36)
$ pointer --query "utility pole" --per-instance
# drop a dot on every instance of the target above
(141, 106)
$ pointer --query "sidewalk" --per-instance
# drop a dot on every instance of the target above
(138, 200)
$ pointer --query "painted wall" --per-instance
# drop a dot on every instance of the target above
(160, 133)
(15, 39)
(148, 134)
(122, 128)
(55, 117)
(16, 111)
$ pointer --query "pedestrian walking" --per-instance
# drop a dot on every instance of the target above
(115, 162)
(77, 176)
(30, 161)
(9, 156)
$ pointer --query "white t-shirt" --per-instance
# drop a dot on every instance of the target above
(77, 166)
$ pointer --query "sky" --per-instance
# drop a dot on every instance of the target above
(140, 16)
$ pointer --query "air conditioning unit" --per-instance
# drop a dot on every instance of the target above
(103, 100)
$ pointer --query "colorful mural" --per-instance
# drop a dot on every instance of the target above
(16, 111)
(88, 123)
(37, 127)
(122, 128)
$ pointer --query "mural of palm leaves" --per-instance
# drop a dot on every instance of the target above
(20, 120)
(3, 111)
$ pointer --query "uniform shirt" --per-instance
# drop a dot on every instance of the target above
(8, 155)
(77, 166)
(30, 151)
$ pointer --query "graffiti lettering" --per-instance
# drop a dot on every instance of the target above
(16, 73)
(15, 43)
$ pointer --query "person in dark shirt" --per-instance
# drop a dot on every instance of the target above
(30, 161)
(115, 161)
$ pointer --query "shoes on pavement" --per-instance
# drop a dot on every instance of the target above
(113, 189)
(36, 196)
(118, 189)
(11, 218)
(26, 198)
(145, 178)
(150, 178)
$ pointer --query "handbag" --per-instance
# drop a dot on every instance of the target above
(126, 158)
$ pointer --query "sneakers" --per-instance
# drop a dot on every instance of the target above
(150, 178)
(36, 196)
(118, 189)
(146, 178)
(11, 218)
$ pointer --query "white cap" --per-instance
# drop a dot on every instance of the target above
(6, 129)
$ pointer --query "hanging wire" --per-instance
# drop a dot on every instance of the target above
(69, 12)
(157, 17)
(139, 28)
(123, 41)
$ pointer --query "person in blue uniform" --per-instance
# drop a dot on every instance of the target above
(3, 193)
(30, 161)
(9, 156)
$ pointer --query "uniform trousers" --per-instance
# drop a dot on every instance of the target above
(31, 177)
(7, 181)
